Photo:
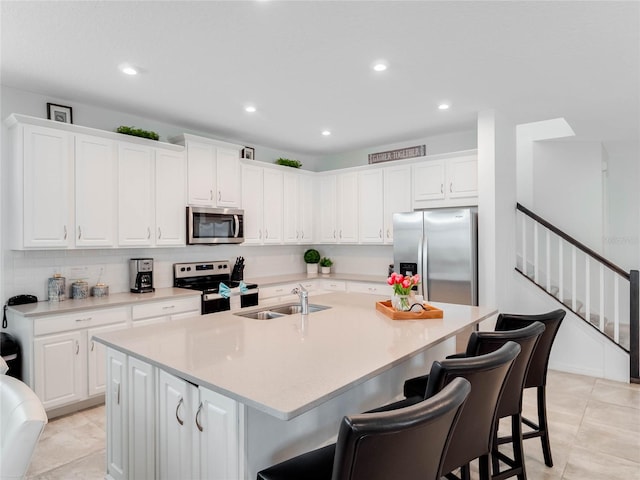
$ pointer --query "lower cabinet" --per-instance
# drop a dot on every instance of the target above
(161, 426)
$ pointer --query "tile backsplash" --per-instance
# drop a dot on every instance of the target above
(28, 271)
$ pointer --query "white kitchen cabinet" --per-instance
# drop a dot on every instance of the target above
(369, 288)
(95, 191)
(170, 198)
(334, 285)
(96, 364)
(273, 202)
(370, 206)
(117, 416)
(446, 182)
(43, 163)
(201, 173)
(217, 426)
(252, 188)
(140, 430)
(136, 207)
(163, 311)
(397, 196)
(213, 172)
(60, 368)
(297, 208)
(197, 431)
(175, 413)
(347, 207)
(326, 209)
(228, 177)
(262, 199)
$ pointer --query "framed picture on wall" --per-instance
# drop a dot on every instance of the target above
(248, 153)
(59, 113)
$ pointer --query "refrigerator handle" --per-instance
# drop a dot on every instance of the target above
(422, 267)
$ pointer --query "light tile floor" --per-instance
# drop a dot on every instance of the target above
(594, 426)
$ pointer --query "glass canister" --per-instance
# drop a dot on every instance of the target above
(57, 288)
(100, 290)
(79, 290)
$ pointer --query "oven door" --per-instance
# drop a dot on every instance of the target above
(215, 303)
(206, 226)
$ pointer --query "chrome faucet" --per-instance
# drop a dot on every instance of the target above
(304, 298)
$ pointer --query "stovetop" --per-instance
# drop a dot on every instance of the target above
(205, 276)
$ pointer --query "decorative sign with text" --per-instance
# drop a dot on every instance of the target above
(399, 154)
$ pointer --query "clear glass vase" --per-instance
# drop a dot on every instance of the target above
(401, 303)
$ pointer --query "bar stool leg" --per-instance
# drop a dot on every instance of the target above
(544, 427)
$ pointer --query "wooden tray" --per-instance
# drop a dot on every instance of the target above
(386, 308)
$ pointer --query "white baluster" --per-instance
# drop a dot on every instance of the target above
(573, 279)
(548, 262)
(536, 268)
(616, 308)
(587, 293)
(560, 270)
(601, 298)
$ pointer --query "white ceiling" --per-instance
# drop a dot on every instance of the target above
(306, 65)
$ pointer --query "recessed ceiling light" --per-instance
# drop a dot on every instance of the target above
(128, 69)
(380, 66)
(443, 106)
(250, 109)
(326, 133)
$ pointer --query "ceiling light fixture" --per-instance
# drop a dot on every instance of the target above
(128, 69)
(443, 106)
(326, 133)
(250, 109)
(380, 66)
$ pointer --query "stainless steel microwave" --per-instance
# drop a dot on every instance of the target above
(210, 226)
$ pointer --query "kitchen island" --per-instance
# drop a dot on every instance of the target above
(223, 396)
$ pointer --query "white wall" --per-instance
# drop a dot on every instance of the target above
(567, 188)
(435, 144)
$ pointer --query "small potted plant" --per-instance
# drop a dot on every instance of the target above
(325, 265)
(311, 258)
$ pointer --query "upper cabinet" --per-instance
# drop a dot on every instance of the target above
(77, 187)
(213, 172)
(43, 181)
(262, 197)
(446, 182)
(397, 196)
(95, 187)
(297, 218)
(370, 203)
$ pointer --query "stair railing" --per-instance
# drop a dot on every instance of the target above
(601, 293)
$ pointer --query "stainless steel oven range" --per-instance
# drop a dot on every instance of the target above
(207, 277)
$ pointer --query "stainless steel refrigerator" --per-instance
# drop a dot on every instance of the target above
(442, 246)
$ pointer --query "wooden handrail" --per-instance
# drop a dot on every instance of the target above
(573, 241)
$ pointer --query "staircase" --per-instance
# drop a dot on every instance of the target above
(599, 292)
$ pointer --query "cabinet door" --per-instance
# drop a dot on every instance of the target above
(117, 420)
(228, 177)
(95, 172)
(96, 363)
(397, 196)
(252, 185)
(60, 368)
(174, 423)
(272, 195)
(171, 198)
(428, 180)
(462, 176)
(48, 187)
(327, 201)
(306, 189)
(201, 168)
(136, 209)
(370, 206)
(348, 207)
(290, 208)
(141, 402)
(216, 429)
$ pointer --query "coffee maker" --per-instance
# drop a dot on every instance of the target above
(141, 275)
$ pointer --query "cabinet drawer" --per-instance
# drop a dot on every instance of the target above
(371, 288)
(83, 319)
(168, 307)
(335, 285)
(276, 290)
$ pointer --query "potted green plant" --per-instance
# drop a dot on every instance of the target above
(325, 265)
(311, 258)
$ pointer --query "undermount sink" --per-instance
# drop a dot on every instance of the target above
(279, 311)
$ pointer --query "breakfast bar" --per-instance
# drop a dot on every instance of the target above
(223, 396)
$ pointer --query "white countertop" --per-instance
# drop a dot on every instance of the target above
(289, 365)
(110, 301)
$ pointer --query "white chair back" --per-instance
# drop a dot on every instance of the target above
(22, 420)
